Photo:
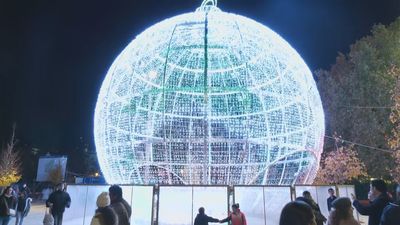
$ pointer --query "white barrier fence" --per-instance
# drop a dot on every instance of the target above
(178, 205)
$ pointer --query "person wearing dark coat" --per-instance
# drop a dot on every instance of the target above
(203, 219)
(7, 204)
(121, 208)
(378, 201)
(58, 201)
(331, 198)
(23, 207)
(307, 198)
(391, 213)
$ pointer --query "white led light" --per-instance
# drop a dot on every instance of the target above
(209, 98)
(152, 74)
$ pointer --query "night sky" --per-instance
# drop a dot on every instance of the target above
(54, 55)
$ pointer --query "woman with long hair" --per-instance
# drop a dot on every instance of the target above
(319, 217)
(7, 205)
(342, 213)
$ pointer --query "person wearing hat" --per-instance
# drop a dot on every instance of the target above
(342, 213)
(104, 214)
(58, 201)
(236, 217)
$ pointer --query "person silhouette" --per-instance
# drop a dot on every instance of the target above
(203, 219)
(331, 198)
(236, 217)
(57, 202)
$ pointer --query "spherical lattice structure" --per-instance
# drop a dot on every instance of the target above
(209, 98)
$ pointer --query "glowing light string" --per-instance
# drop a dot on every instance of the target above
(206, 2)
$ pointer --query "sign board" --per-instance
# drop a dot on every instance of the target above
(48, 164)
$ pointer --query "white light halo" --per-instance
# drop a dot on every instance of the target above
(249, 66)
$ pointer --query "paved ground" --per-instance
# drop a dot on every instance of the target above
(35, 216)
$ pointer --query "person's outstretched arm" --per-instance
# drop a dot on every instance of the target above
(226, 219)
(369, 209)
(212, 220)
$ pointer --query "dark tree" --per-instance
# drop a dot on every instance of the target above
(356, 95)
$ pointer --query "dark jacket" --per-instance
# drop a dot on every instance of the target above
(329, 202)
(391, 215)
(373, 209)
(104, 216)
(21, 203)
(122, 211)
(203, 219)
(319, 217)
(60, 200)
(24, 205)
(6, 203)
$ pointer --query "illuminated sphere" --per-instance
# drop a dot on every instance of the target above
(209, 97)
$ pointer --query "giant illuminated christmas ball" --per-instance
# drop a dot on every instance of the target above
(209, 97)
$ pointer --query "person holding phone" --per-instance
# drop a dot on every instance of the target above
(378, 200)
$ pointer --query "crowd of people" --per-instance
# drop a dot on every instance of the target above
(112, 209)
(15, 203)
(379, 208)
